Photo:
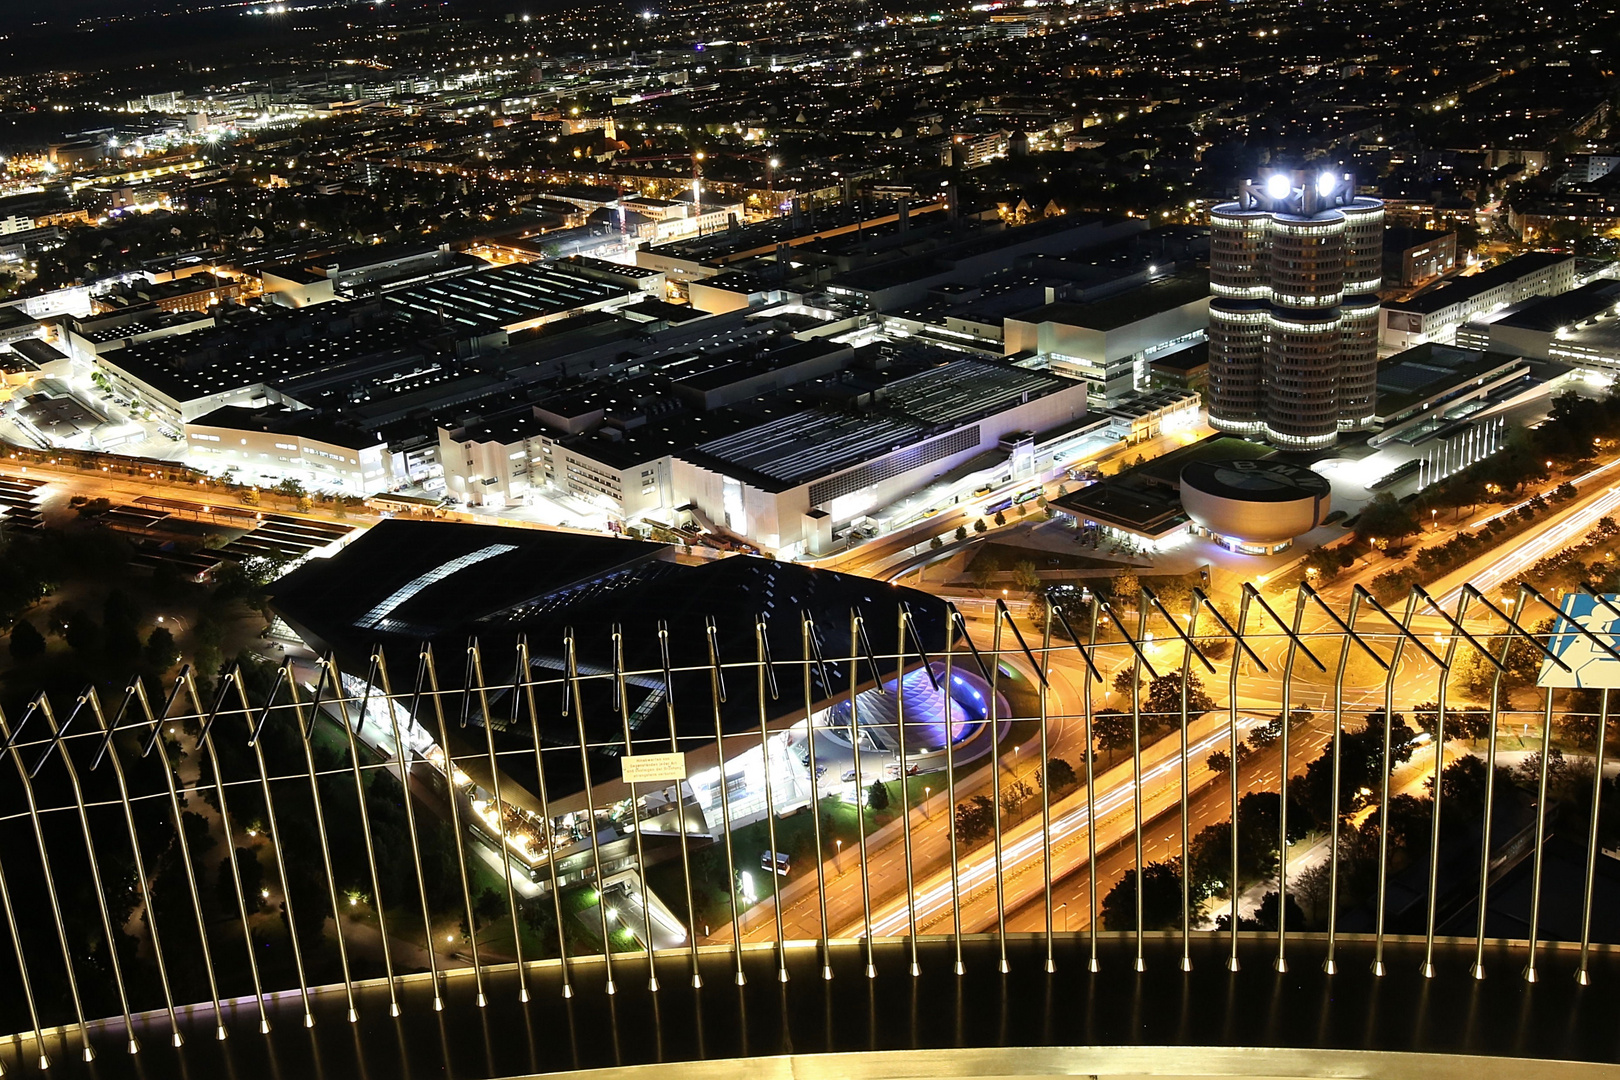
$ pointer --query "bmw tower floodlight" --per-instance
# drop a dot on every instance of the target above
(1326, 184)
(1279, 186)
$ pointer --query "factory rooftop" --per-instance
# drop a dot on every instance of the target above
(508, 297)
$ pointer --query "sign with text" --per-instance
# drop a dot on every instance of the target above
(1589, 665)
(653, 768)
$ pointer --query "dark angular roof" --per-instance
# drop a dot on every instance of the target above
(408, 582)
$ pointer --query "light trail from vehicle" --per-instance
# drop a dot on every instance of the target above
(1520, 557)
(933, 899)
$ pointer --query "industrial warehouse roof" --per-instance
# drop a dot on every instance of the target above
(300, 423)
(503, 297)
(1121, 309)
(1551, 313)
(187, 367)
(811, 444)
(967, 388)
(808, 444)
(1428, 369)
(1462, 289)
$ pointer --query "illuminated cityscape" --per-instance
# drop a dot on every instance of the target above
(851, 539)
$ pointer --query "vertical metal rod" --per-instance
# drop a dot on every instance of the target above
(273, 827)
(950, 795)
(1136, 770)
(572, 674)
(995, 794)
(1232, 772)
(190, 683)
(502, 851)
(1281, 962)
(1091, 795)
(430, 668)
(306, 733)
(549, 839)
(717, 695)
(807, 634)
(1331, 965)
(138, 693)
(635, 807)
(770, 809)
(1186, 813)
(404, 751)
(905, 781)
(860, 782)
(132, 1044)
(22, 970)
(1444, 680)
(1478, 968)
(365, 822)
(176, 1039)
(1581, 975)
(1046, 788)
(1383, 784)
(1530, 974)
(49, 879)
(681, 787)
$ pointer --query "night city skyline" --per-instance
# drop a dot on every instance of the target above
(860, 538)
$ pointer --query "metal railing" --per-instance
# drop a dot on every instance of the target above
(97, 777)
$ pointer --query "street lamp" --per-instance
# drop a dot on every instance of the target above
(927, 791)
(838, 855)
(1064, 907)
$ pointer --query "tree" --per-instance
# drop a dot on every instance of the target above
(82, 633)
(1267, 733)
(488, 906)
(1386, 519)
(1265, 916)
(984, 569)
(979, 526)
(961, 532)
(1125, 680)
(1014, 795)
(1125, 589)
(1410, 819)
(975, 819)
(26, 641)
(1164, 697)
(208, 660)
(206, 655)
(251, 875)
(1361, 759)
(1112, 729)
(1462, 787)
(936, 543)
(1161, 898)
(1311, 888)
(1000, 518)
(1219, 761)
(877, 796)
(119, 627)
(1473, 674)
(1059, 774)
(161, 652)
(1026, 577)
